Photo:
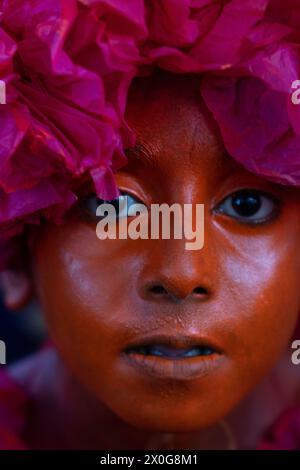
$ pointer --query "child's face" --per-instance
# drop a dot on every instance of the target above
(239, 295)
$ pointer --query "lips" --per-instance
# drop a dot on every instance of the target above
(173, 357)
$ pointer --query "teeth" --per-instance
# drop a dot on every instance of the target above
(166, 351)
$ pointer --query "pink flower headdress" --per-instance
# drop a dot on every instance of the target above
(67, 66)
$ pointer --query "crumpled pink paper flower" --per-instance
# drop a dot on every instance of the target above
(68, 65)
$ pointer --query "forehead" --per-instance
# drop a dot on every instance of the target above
(174, 129)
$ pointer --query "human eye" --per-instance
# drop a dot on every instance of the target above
(121, 204)
(250, 206)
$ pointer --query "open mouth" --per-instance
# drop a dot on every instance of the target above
(173, 347)
(169, 352)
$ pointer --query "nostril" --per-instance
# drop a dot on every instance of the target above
(200, 291)
(160, 290)
(157, 289)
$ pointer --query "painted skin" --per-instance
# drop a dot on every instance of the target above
(239, 294)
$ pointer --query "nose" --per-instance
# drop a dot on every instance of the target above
(175, 276)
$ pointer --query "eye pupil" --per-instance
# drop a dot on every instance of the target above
(246, 204)
(114, 202)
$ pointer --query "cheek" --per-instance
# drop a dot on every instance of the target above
(261, 294)
(92, 285)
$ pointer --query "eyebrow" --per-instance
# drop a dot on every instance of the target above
(143, 152)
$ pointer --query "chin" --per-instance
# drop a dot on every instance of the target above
(175, 419)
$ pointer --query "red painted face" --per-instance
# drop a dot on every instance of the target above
(229, 308)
